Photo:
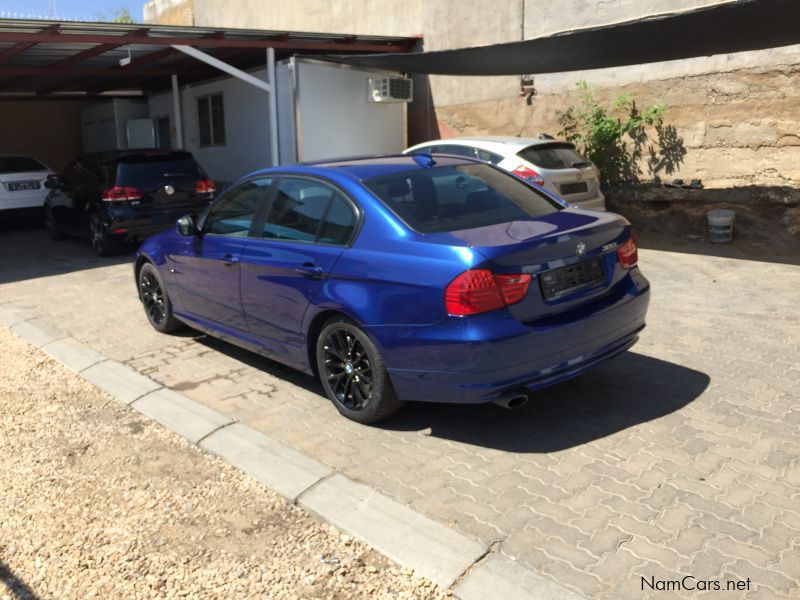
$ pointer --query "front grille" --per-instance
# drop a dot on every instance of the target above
(580, 187)
(559, 282)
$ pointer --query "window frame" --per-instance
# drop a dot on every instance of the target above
(258, 228)
(202, 221)
(213, 141)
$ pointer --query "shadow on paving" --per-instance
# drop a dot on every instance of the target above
(27, 253)
(627, 391)
(18, 588)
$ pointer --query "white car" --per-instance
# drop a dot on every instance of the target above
(553, 165)
(22, 182)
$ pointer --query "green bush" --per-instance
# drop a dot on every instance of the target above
(616, 138)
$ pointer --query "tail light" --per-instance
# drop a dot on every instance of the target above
(121, 193)
(529, 175)
(628, 253)
(205, 186)
(479, 290)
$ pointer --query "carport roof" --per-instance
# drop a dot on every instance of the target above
(75, 59)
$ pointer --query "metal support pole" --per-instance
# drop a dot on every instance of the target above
(273, 108)
(177, 110)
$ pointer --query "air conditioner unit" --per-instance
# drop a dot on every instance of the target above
(390, 89)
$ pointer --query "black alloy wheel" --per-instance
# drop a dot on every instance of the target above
(157, 305)
(348, 369)
(101, 241)
(353, 373)
(51, 225)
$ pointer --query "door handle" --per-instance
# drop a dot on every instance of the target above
(310, 270)
(230, 260)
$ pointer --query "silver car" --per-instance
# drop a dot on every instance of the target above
(553, 165)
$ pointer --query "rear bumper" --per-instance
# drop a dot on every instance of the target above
(129, 224)
(596, 203)
(477, 360)
(20, 200)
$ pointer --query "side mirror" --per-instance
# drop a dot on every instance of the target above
(185, 226)
(52, 182)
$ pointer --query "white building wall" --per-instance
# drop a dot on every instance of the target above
(246, 147)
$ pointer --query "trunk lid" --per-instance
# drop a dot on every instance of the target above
(573, 184)
(9, 181)
(166, 181)
(565, 171)
(570, 255)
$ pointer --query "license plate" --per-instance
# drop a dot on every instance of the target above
(558, 282)
(19, 186)
(580, 187)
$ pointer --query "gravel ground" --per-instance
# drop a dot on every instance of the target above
(98, 502)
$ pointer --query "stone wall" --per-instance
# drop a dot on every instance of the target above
(738, 115)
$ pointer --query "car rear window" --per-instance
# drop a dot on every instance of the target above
(554, 156)
(150, 172)
(451, 198)
(20, 164)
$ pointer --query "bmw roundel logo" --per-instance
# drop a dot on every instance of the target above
(169, 190)
(580, 249)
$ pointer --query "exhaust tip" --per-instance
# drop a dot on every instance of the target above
(513, 401)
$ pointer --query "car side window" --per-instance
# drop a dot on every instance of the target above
(305, 210)
(489, 157)
(234, 213)
(457, 150)
(337, 228)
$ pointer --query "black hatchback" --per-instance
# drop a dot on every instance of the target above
(124, 196)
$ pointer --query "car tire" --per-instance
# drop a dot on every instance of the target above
(102, 242)
(353, 374)
(51, 225)
(156, 301)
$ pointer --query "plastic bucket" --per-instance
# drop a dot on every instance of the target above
(720, 225)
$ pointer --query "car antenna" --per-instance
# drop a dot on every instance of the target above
(424, 160)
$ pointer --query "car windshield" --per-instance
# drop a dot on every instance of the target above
(20, 164)
(452, 198)
(554, 156)
(150, 172)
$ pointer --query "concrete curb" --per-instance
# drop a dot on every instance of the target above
(499, 576)
(280, 468)
(119, 381)
(411, 539)
(181, 415)
(401, 533)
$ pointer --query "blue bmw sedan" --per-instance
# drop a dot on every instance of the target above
(400, 278)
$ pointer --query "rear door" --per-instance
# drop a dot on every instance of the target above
(207, 269)
(307, 226)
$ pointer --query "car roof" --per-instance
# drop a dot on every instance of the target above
(117, 154)
(497, 143)
(369, 167)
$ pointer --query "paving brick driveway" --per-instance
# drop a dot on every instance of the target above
(677, 458)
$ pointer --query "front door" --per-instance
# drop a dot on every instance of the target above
(208, 271)
(308, 225)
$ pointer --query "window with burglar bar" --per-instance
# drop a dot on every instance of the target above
(211, 120)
